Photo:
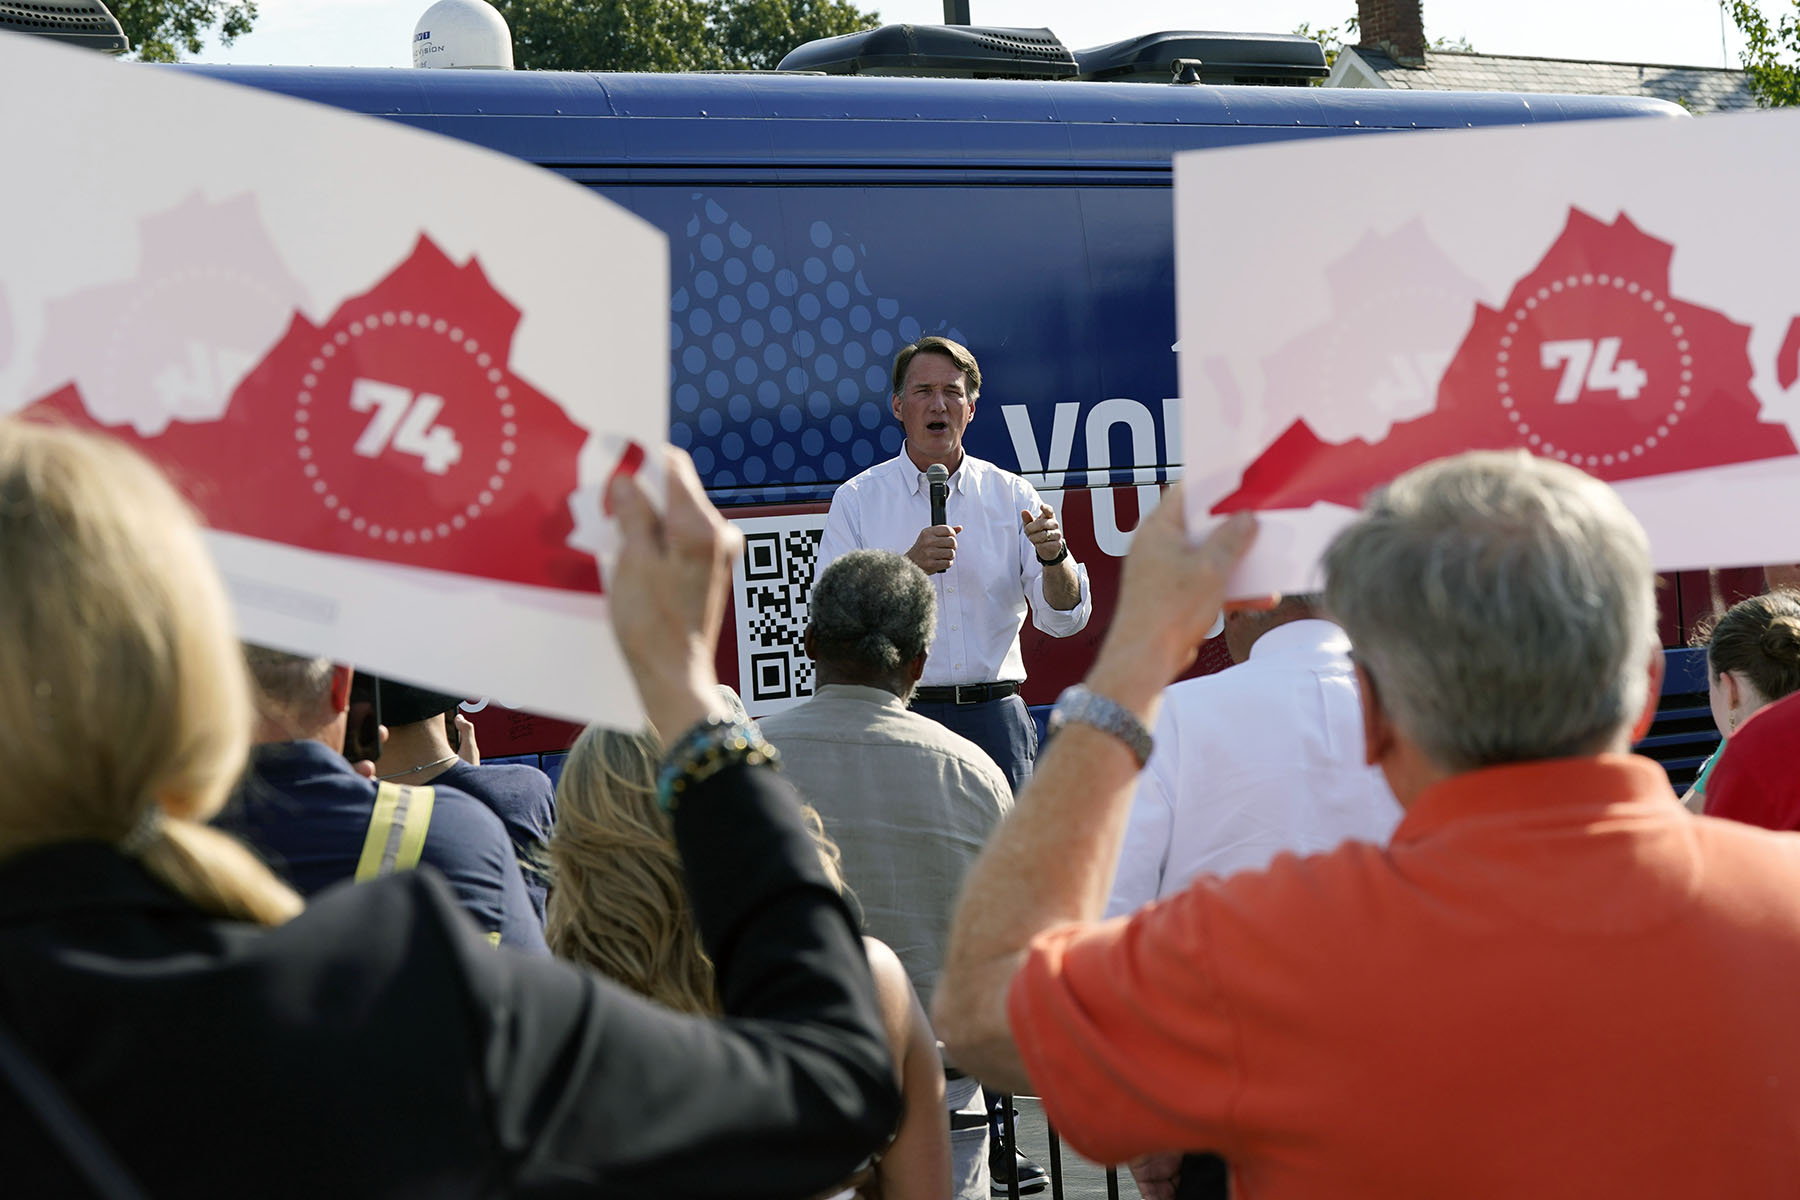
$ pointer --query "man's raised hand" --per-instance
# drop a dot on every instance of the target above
(669, 593)
(1045, 534)
(1170, 592)
(467, 748)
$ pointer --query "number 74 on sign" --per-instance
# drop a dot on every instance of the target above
(404, 419)
(1594, 365)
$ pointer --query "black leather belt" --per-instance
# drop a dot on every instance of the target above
(967, 693)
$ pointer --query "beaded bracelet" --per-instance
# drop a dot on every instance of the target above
(703, 751)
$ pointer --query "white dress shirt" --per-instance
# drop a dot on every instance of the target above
(982, 598)
(1262, 757)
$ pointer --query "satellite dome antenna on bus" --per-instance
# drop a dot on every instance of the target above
(463, 34)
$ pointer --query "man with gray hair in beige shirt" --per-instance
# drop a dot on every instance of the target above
(908, 802)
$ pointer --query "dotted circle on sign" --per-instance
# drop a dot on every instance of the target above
(1670, 419)
(329, 349)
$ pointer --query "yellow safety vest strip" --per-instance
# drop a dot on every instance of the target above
(416, 822)
(381, 825)
(396, 837)
(397, 828)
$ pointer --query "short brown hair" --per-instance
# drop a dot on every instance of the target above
(956, 352)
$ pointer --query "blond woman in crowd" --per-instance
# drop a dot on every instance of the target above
(619, 904)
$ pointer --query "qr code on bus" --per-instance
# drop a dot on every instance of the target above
(772, 581)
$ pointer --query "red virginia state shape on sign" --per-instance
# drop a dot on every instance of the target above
(393, 432)
(1591, 361)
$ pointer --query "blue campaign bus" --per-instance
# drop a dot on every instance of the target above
(819, 220)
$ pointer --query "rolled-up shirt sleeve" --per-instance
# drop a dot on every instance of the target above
(1126, 1036)
(1056, 622)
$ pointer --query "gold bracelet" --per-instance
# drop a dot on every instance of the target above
(708, 748)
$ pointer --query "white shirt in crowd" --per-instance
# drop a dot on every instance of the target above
(1262, 757)
(982, 598)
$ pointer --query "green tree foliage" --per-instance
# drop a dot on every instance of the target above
(756, 34)
(670, 35)
(1329, 36)
(1774, 82)
(160, 30)
(608, 35)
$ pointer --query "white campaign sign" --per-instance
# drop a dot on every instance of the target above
(395, 402)
(1615, 294)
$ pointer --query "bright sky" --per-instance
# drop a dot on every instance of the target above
(376, 33)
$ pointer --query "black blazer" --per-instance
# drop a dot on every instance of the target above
(376, 1045)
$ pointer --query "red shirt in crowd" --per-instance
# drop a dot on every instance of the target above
(1554, 982)
(1757, 778)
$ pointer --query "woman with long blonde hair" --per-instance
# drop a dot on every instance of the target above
(617, 900)
(172, 1021)
(618, 903)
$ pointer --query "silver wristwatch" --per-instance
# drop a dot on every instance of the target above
(1084, 707)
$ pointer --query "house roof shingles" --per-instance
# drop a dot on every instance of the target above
(1699, 89)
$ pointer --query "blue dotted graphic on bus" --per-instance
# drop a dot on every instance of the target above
(779, 367)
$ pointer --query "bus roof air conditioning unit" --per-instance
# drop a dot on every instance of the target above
(463, 34)
(85, 23)
(942, 51)
(1240, 58)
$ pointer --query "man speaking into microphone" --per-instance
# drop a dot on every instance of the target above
(990, 544)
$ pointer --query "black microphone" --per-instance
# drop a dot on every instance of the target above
(939, 479)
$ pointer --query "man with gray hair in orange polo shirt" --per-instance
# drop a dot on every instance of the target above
(1554, 980)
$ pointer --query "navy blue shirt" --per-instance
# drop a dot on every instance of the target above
(307, 813)
(525, 801)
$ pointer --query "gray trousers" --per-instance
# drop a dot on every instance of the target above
(969, 1176)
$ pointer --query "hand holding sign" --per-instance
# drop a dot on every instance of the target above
(1170, 594)
(669, 592)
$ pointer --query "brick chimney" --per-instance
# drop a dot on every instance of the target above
(1395, 27)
